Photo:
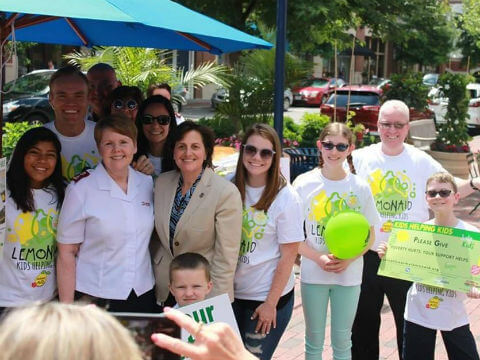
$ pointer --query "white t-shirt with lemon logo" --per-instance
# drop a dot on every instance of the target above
(27, 266)
(262, 235)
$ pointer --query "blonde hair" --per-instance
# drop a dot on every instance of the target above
(443, 178)
(394, 106)
(275, 180)
(333, 129)
(64, 331)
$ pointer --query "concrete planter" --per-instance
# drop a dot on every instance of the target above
(455, 163)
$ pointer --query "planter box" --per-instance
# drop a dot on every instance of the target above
(455, 163)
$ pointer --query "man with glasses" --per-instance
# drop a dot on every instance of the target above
(102, 81)
(397, 174)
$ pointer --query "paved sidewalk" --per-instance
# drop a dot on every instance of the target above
(291, 345)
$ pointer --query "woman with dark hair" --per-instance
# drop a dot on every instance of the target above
(35, 191)
(197, 211)
(124, 100)
(272, 230)
(156, 125)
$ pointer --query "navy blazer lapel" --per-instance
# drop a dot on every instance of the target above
(199, 194)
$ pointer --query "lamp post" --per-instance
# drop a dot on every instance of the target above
(280, 67)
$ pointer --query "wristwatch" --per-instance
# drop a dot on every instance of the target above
(473, 186)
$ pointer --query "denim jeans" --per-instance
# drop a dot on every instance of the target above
(262, 346)
(419, 343)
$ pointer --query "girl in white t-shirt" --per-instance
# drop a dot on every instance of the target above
(35, 191)
(271, 232)
(326, 191)
(431, 308)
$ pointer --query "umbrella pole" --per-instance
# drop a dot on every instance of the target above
(280, 67)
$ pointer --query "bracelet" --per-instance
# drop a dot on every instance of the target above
(473, 186)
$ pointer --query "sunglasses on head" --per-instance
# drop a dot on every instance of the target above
(160, 119)
(120, 104)
(251, 150)
(443, 193)
(340, 146)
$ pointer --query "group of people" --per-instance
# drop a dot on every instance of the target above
(150, 224)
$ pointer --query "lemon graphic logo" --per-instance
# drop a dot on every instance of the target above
(433, 303)
(41, 279)
(253, 227)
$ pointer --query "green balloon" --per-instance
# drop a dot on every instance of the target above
(347, 234)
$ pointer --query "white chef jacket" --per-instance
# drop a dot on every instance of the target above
(113, 230)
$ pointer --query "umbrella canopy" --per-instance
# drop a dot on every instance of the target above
(161, 24)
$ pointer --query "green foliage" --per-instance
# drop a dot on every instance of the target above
(311, 125)
(453, 135)
(409, 88)
(291, 130)
(12, 132)
(142, 67)
(220, 125)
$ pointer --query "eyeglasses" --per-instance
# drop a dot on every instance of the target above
(251, 150)
(340, 146)
(119, 104)
(443, 193)
(396, 125)
(148, 119)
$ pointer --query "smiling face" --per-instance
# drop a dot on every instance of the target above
(154, 132)
(39, 163)
(117, 150)
(189, 153)
(68, 97)
(333, 158)
(393, 126)
(189, 286)
(441, 204)
(257, 166)
(127, 107)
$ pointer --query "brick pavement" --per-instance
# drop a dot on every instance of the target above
(291, 345)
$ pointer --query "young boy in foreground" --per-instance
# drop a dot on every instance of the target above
(189, 278)
(429, 308)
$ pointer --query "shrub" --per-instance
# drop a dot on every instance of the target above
(311, 126)
(12, 132)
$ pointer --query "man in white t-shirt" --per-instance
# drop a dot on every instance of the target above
(397, 174)
(69, 100)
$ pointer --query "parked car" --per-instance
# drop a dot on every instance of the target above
(430, 79)
(26, 98)
(379, 82)
(221, 95)
(365, 102)
(315, 91)
(438, 104)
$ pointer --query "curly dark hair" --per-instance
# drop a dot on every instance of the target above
(18, 182)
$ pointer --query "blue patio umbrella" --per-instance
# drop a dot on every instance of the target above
(161, 24)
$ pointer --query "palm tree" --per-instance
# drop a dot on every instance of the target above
(143, 66)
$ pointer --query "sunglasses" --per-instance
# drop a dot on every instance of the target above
(251, 150)
(119, 104)
(340, 146)
(443, 193)
(161, 119)
(396, 125)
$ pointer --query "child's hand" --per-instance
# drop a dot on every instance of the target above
(325, 260)
(474, 293)
(382, 249)
(339, 265)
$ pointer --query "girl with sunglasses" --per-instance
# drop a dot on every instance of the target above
(35, 191)
(326, 191)
(450, 316)
(271, 233)
(156, 124)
